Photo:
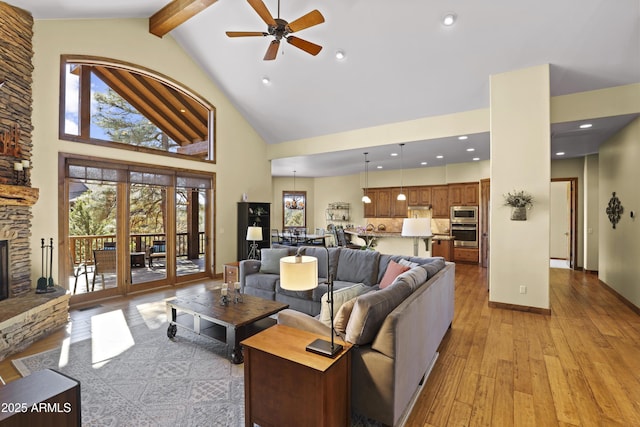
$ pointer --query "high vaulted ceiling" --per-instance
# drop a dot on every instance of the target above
(401, 64)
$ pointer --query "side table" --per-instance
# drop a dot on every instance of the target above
(231, 272)
(285, 385)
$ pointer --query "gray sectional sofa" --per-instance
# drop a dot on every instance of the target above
(396, 330)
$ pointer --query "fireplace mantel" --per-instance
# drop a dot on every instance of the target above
(18, 195)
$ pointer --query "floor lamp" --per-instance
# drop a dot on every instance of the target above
(300, 273)
(416, 228)
(254, 233)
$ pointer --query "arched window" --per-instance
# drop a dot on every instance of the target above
(104, 101)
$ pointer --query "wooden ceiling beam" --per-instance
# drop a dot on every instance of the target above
(174, 14)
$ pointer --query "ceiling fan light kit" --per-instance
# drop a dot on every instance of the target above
(279, 29)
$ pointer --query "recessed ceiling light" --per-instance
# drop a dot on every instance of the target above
(475, 159)
(471, 149)
(266, 80)
(585, 126)
(423, 163)
(440, 157)
(449, 19)
(394, 154)
(463, 137)
(379, 167)
(560, 153)
(340, 55)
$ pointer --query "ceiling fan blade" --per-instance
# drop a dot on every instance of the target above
(272, 50)
(246, 34)
(310, 48)
(309, 20)
(264, 13)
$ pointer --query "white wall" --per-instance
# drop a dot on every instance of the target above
(241, 153)
(520, 153)
(619, 248)
(591, 209)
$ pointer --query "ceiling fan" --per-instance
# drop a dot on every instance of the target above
(279, 28)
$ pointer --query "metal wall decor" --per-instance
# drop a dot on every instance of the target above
(614, 209)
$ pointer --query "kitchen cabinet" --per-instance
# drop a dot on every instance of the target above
(466, 255)
(443, 248)
(370, 208)
(398, 207)
(383, 203)
(419, 196)
(440, 201)
(463, 194)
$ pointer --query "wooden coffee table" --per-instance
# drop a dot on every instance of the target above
(205, 315)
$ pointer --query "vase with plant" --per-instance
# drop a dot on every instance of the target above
(519, 201)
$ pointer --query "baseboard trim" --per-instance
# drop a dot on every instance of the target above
(515, 307)
(625, 301)
(591, 272)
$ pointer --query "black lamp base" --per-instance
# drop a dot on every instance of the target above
(324, 348)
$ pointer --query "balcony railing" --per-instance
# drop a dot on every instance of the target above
(82, 247)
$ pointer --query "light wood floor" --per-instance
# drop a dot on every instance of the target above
(578, 367)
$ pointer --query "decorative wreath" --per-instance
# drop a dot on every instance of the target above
(614, 209)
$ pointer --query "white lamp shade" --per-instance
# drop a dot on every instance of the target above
(416, 227)
(402, 196)
(366, 199)
(298, 273)
(254, 233)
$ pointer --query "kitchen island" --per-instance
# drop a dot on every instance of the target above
(389, 242)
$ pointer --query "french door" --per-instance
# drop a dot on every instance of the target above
(130, 227)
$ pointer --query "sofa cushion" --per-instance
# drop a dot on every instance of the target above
(414, 277)
(266, 282)
(358, 266)
(370, 311)
(270, 260)
(433, 267)
(393, 270)
(340, 296)
(343, 315)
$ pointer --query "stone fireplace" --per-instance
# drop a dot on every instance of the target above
(24, 315)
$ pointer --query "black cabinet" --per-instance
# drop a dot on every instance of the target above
(253, 214)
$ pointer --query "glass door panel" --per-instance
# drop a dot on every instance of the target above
(190, 231)
(93, 258)
(147, 228)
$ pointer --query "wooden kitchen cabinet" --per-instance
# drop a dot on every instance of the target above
(443, 248)
(419, 196)
(370, 208)
(383, 203)
(398, 207)
(466, 255)
(440, 201)
(464, 194)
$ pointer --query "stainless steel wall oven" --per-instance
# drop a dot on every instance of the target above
(464, 226)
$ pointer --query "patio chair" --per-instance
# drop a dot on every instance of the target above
(158, 250)
(78, 270)
(104, 262)
(109, 246)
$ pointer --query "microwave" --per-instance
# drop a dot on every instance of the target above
(464, 214)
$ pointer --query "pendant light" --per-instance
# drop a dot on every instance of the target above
(365, 198)
(401, 196)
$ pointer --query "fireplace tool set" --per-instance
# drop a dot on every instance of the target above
(46, 285)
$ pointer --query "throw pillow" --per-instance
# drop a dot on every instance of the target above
(270, 260)
(340, 296)
(408, 263)
(344, 314)
(393, 270)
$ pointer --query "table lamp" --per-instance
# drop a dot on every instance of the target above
(300, 273)
(254, 233)
(416, 228)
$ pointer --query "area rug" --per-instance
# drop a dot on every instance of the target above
(187, 381)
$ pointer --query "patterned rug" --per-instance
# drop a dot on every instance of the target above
(155, 382)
